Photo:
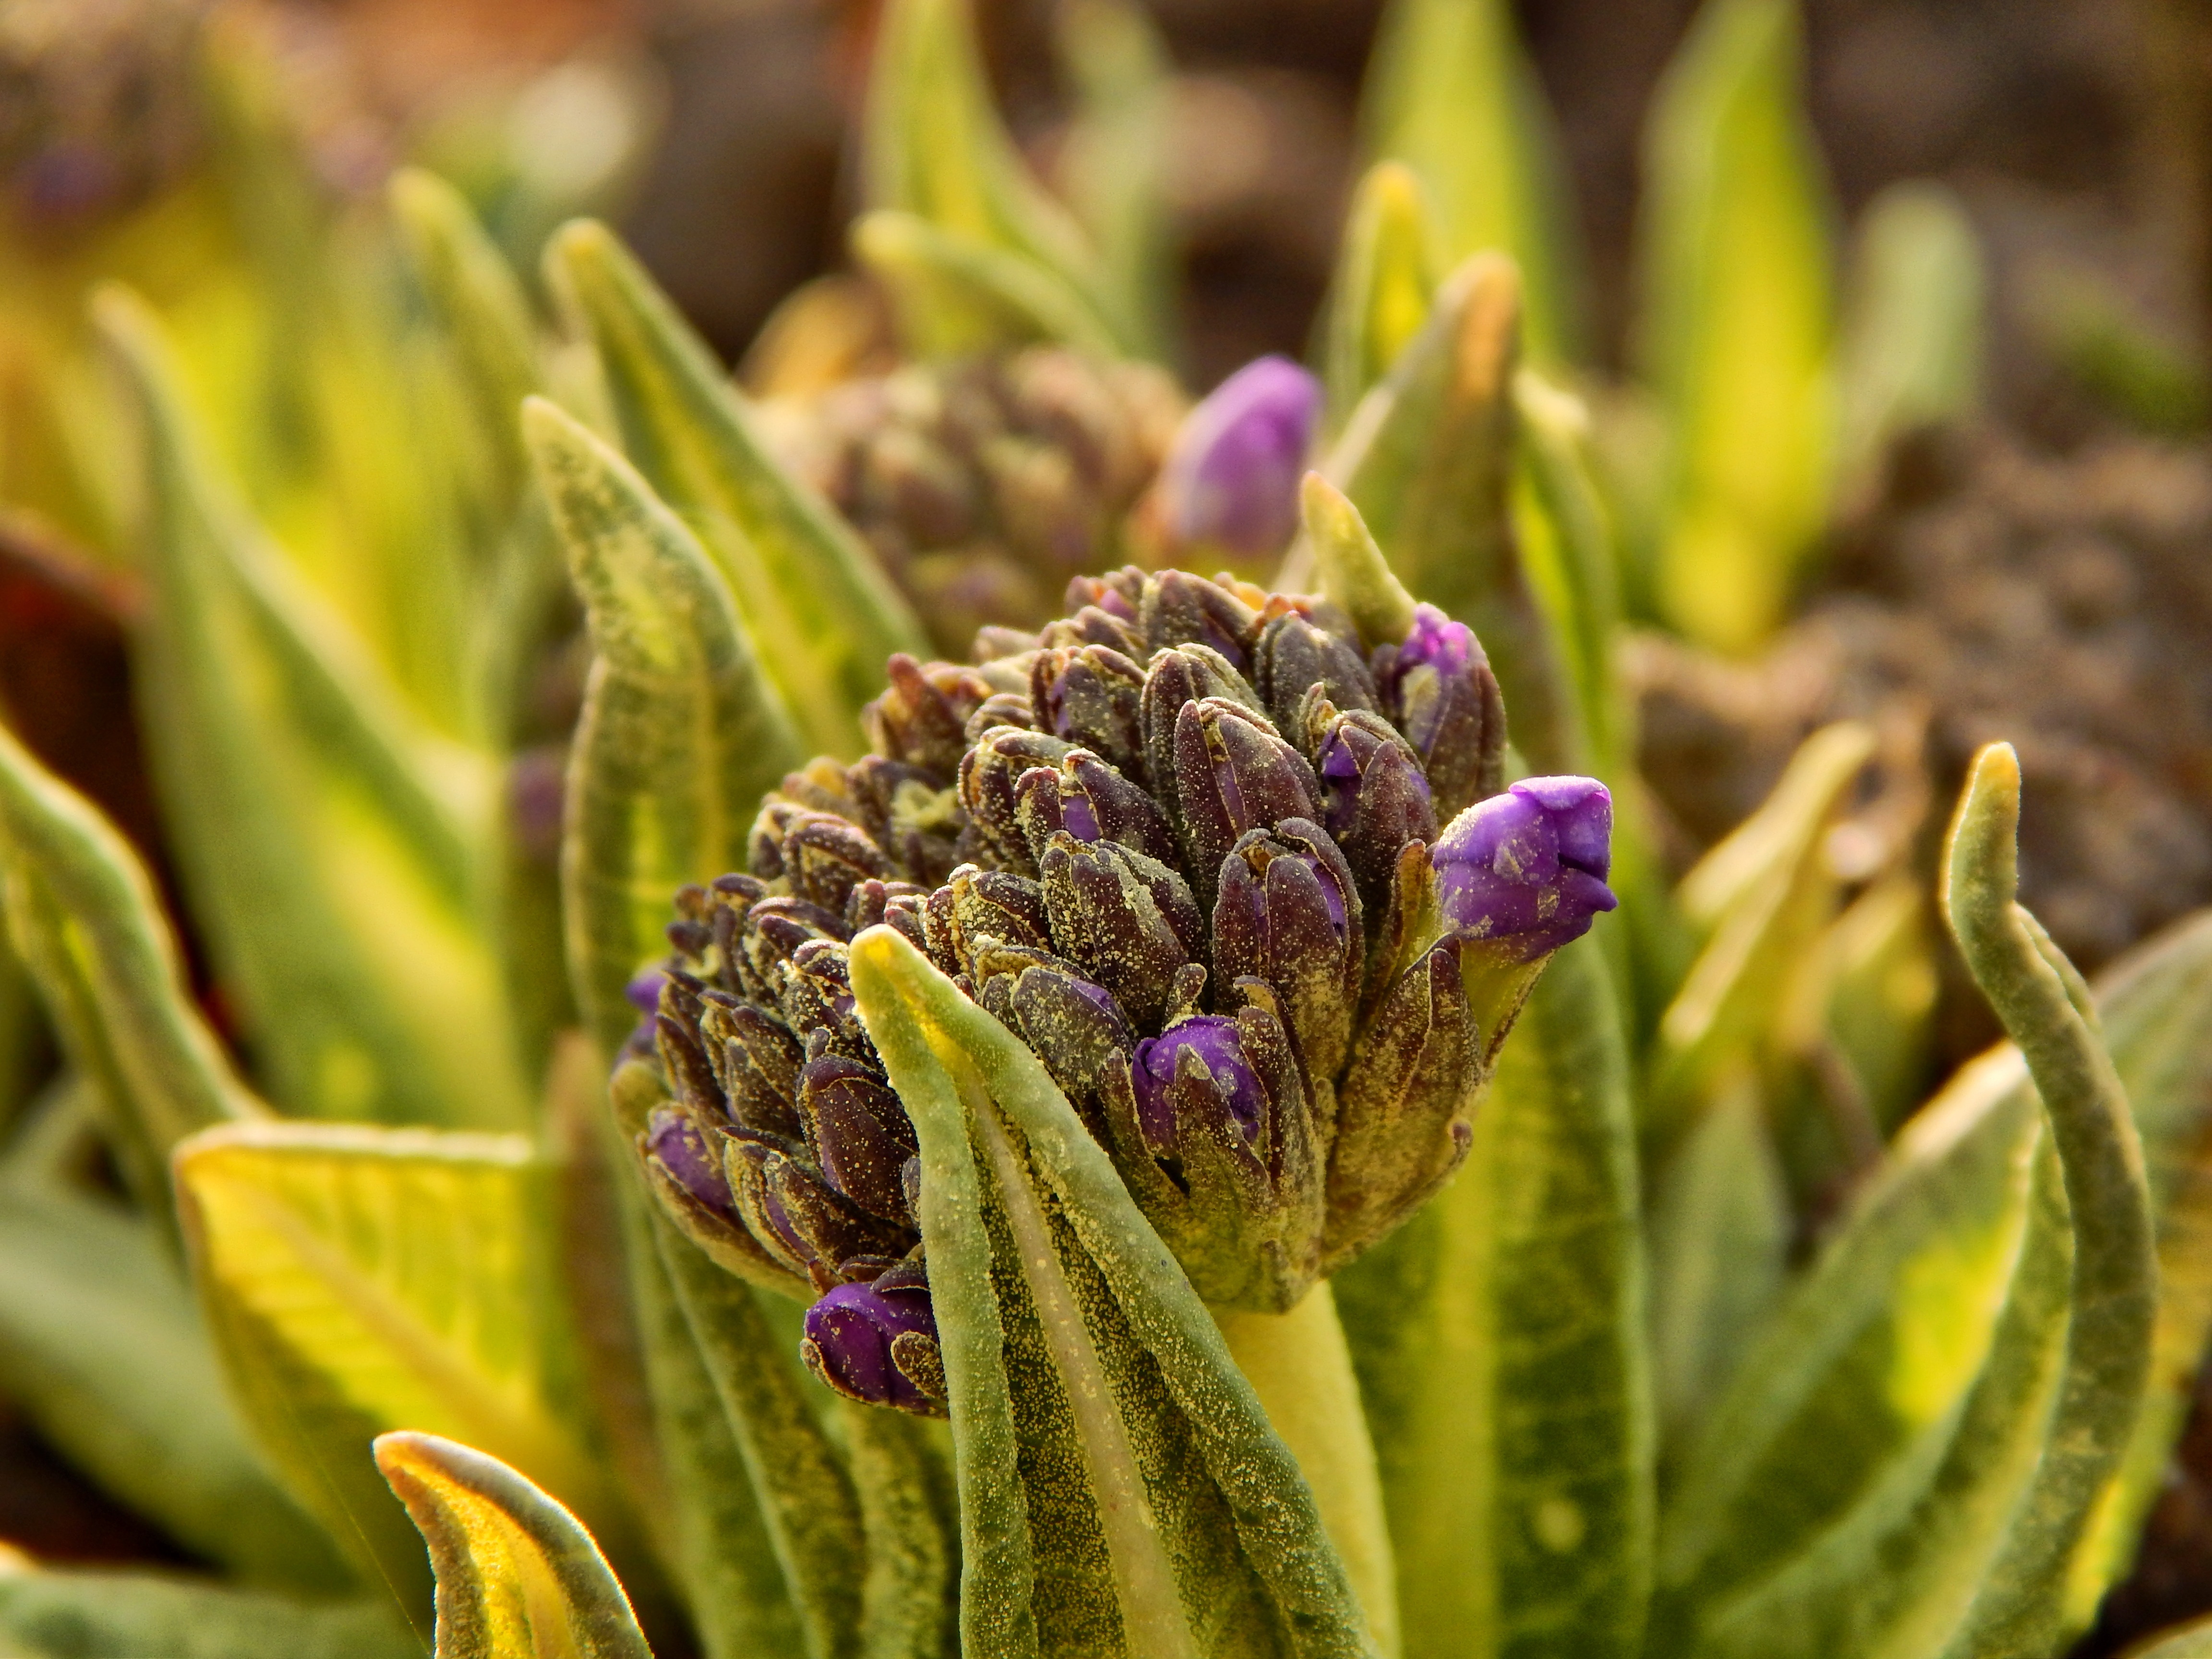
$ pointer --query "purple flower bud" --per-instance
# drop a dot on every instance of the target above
(1092, 696)
(1231, 476)
(1375, 798)
(1215, 1077)
(644, 991)
(1296, 659)
(859, 1134)
(853, 1340)
(1528, 866)
(922, 718)
(1290, 915)
(1233, 772)
(1438, 688)
(1091, 801)
(676, 1143)
(1127, 922)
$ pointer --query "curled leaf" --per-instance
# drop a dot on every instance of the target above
(518, 1575)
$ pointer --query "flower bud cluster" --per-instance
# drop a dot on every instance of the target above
(983, 485)
(1185, 842)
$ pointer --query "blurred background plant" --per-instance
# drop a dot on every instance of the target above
(1856, 429)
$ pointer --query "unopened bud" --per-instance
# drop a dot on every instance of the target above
(1230, 481)
(1527, 869)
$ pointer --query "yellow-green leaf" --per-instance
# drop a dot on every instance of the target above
(126, 1615)
(1734, 329)
(681, 734)
(1912, 340)
(87, 922)
(1429, 461)
(99, 1349)
(358, 1279)
(936, 149)
(1082, 1369)
(1112, 161)
(336, 856)
(1387, 272)
(1451, 93)
(1500, 1338)
(824, 613)
(955, 296)
(519, 1578)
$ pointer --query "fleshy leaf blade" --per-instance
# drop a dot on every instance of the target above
(359, 1280)
(519, 1578)
(100, 1349)
(1734, 323)
(118, 1615)
(824, 613)
(1051, 1565)
(2021, 1603)
(336, 853)
(87, 921)
(1428, 459)
(681, 734)
(1501, 1345)
(1452, 95)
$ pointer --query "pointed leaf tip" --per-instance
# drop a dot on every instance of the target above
(519, 1578)
(1351, 567)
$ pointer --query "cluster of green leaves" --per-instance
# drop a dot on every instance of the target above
(1637, 1384)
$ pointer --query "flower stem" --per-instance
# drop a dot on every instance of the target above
(1299, 1366)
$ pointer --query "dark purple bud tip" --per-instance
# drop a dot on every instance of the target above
(850, 1331)
(1529, 865)
(679, 1147)
(1232, 475)
(1215, 1064)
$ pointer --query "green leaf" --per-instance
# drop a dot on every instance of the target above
(824, 613)
(1734, 324)
(681, 734)
(1114, 156)
(1451, 93)
(1893, 1470)
(115, 1615)
(337, 856)
(490, 337)
(2157, 1008)
(359, 1280)
(1348, 567)
(519, 1578)
(100, 1348)
(955, 296)
(1720, 1240)
(1856, 1387)
(1300, 1365)
(87, 922)
(1891, 1460)
(936, 149)
(805, 1495)
(2021, 1604)
(1429, 463)
(1121, 1489)
(902, 1471)
(1566, 546)
(1765, 894)
(1387, 272)
(478, 302)
(1882, 999)
(1501, 1346)
(723, 1554)
(1912, 340)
